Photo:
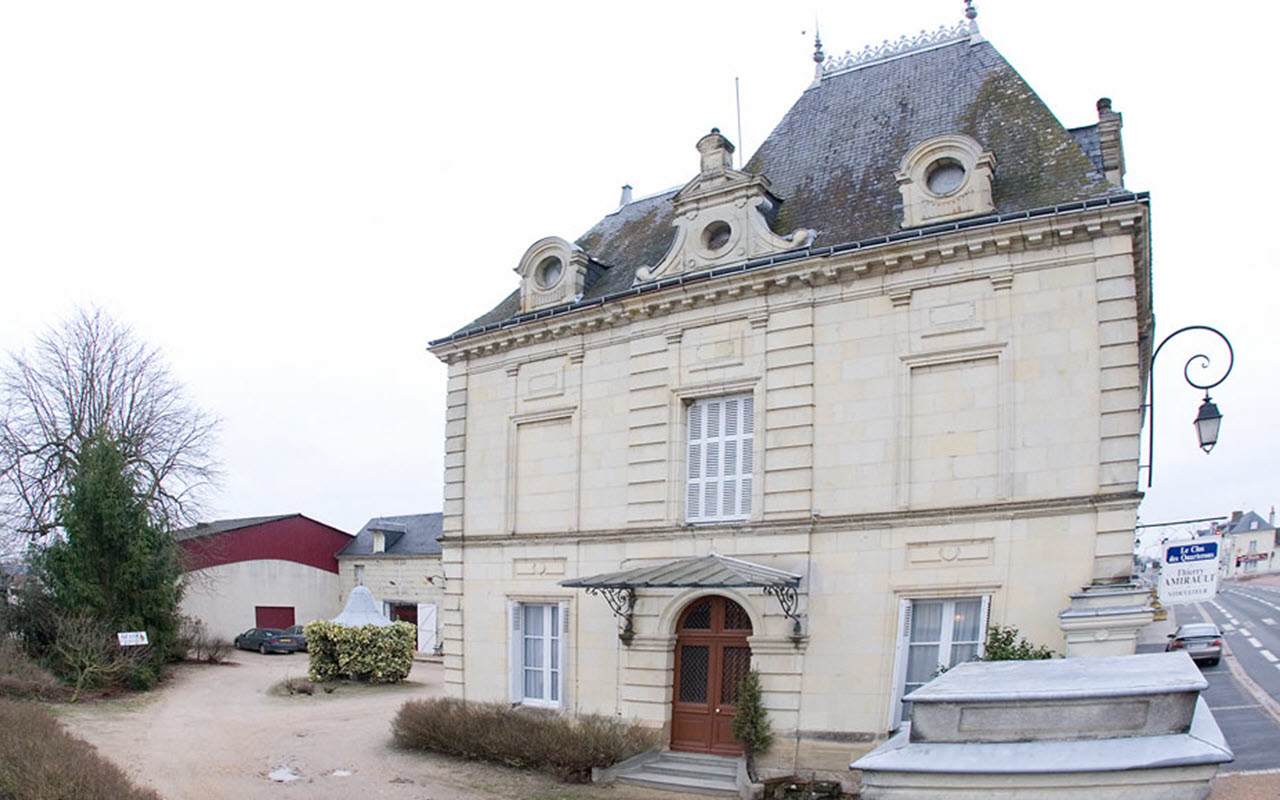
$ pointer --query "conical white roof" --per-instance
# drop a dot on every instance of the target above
(362, 609)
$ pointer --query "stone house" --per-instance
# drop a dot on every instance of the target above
(1248, 545)
(398, 559)
(826, 415)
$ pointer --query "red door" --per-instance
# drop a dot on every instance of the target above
(273, 616)
(711, 657)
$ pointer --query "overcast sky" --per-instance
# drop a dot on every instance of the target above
(291, 199)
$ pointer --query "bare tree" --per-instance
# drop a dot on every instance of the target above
(91, 374)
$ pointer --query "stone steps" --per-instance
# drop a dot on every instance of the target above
(696, 773)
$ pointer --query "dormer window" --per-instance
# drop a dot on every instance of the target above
(945, 177)
(716, 235)
(720, 216)
(549, 272)
(552, 272)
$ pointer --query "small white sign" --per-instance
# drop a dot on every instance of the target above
(132, 638)
(1189, 574)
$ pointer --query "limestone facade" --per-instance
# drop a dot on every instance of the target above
(952, 417)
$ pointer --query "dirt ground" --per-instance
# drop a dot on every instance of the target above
(218, 732)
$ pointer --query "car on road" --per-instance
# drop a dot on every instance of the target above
(297, 632)
(267, 640)
(1200, 640)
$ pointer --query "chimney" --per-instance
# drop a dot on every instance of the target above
(1109, 124)
(1271, 520)
(1235, 515)
(626, 195)
(717, 153)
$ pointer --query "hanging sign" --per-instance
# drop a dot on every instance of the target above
(1189, 574)
(131, 638)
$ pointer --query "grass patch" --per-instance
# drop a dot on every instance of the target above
(339, 687)
(563, 746)
(41, 761)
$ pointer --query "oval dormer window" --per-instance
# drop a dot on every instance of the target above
(549, 271)
(716, 235)
(945, 176)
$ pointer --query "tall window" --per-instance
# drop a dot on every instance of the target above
(537, 653)
(720, 458)
(935, 635)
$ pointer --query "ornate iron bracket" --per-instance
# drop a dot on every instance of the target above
(1200, 360)
(622, 601)
(788, 599)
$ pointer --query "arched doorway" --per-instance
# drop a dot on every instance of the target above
(712, 655)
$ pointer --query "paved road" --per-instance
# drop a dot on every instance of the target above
(1244, 689)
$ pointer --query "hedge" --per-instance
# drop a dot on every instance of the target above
(378, 654)
(564, 746)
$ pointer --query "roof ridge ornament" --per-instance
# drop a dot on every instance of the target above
(965, 30)
(818, 55)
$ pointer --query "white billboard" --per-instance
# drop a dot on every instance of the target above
(1189, 574)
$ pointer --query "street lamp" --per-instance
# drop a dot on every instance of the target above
(1209, 419)
(1207, 423)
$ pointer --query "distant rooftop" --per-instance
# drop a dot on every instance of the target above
(406, 535)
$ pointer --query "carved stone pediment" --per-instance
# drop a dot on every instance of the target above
(721, 217)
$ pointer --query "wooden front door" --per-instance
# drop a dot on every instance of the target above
(711, 657)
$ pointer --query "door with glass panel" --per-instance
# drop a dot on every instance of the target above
(935, 636)
(712, 656)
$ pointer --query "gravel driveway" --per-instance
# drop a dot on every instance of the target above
(217, 732)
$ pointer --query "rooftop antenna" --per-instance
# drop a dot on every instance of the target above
(737, 98)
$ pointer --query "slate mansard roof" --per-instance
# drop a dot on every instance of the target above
(832, 159)
(406, 535)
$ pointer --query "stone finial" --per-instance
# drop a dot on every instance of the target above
(717, 153)
(626, 195)
(818, 55)
(971, 14)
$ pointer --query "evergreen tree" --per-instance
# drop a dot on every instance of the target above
(751, 721)
(115, 564)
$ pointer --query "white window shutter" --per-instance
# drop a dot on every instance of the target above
(693, 493)
(901, 652)
(563, 645)
(985, 616)
(515, 653)
(721, 458)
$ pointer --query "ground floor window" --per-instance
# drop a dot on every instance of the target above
(537, 652)
(935, 635)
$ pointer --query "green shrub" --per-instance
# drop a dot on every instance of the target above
(567, 747)
(378, 654)
(1005, 643)
(41, 761)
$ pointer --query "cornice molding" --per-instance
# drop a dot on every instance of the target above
(904, 518)
(816, 267)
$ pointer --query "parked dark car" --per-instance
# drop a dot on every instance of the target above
(1200, 640)
(267, 640)
(297, 632)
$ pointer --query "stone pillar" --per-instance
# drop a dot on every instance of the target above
(1104, 620)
